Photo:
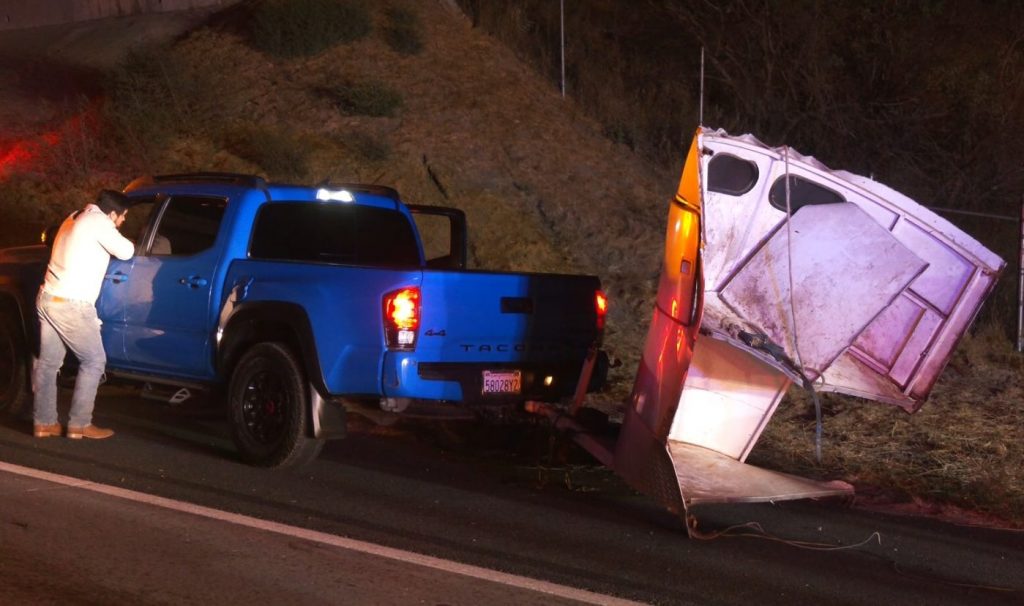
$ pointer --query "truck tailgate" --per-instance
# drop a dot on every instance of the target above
(527, 335)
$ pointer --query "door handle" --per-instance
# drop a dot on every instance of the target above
(193, 281)
(117, 277)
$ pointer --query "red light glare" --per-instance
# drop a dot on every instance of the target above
(403, 308)
(20, 153)
(23, 152)
(601, 305)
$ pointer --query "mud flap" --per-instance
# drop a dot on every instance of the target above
(327, 420)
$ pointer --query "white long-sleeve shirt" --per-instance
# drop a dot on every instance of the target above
(81, 251)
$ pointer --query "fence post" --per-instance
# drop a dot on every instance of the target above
(1020, 280)
(561, 19)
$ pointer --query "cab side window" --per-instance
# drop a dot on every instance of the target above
(188, 225)
(136, 224)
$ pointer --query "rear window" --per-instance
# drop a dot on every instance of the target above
(731, 175)
(347, 234)
(801, 193)
(188, 225)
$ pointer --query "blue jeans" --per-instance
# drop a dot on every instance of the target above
(67, 324)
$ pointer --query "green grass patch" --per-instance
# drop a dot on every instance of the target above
(364, 99)
(145, 92)
(281, 156)
(402, 31)
(302, 28)
(155, 96)
(368, 148)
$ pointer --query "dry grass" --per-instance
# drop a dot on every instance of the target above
(545, 190)
(963, 448)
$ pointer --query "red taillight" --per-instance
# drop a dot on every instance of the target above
(601, 306)
(402, 318)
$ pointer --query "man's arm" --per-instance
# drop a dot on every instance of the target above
(116, 244)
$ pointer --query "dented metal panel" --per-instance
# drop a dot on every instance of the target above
(707, 476)
(814, 294)
(847, 268)
(728, 398)
(779, 270)
(697, 410)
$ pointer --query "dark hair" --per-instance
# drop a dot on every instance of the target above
(112, 201)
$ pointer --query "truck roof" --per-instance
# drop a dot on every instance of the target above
(217, 182)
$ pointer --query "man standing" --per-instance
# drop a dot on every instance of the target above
(67, 313)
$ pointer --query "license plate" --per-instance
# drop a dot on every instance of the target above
(503, 382)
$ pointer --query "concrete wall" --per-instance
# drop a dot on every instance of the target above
(24, 14)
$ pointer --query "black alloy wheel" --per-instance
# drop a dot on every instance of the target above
(263, 406)
(269, 402)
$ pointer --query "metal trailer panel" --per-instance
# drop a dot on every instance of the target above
(861, 290)
(840, 276)
(814, 294)
(727, 399)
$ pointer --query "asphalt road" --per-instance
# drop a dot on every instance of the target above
(423, 514)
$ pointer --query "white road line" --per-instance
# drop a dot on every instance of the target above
(400, 555)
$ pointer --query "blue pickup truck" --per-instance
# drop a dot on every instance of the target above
(297, 305)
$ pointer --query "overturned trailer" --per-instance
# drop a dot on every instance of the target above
(777, 271)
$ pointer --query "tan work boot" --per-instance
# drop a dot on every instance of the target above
(89, 431)
(40, 430)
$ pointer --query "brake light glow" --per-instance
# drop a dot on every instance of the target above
(402, 317)
(601, 306)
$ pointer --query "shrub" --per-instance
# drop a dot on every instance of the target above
(366, 99)
(367, 147)
(31, 202)
(281, 156)
(301, 28)
(19, 195)
(620, 133)
(402, 32)
(78, 146)
(154, 96)
(143, 108)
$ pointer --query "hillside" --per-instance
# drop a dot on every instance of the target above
(544, 190)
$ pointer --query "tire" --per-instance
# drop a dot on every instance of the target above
(15, 369)
(269, 408)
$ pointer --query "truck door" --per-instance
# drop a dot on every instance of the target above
(110, 305)
(167, 306)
